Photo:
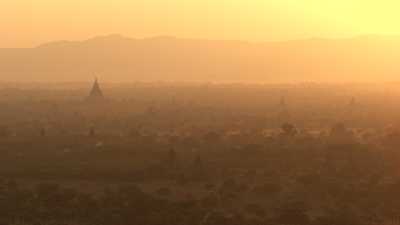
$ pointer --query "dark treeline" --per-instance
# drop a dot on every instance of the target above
(163, 154)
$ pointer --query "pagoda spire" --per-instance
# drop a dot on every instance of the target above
(96, 94)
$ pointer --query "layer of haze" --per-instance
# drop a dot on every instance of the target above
(26, 23)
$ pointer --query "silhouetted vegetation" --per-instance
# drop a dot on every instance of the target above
(199, 154)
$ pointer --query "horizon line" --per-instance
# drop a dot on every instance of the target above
(122, 36)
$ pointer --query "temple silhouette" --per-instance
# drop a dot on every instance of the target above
(95, 94)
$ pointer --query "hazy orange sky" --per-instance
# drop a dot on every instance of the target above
(25, 23)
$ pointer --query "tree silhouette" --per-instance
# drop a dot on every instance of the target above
(92, 131)
(288, 130)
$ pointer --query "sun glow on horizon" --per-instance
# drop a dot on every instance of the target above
(29, 22)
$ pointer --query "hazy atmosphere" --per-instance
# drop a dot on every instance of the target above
(223, 112)
(119, 59)
(27, 23)
(206, 41)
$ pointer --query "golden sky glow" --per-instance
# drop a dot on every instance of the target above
(30, 22)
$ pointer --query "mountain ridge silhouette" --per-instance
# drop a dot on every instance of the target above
(167, 58)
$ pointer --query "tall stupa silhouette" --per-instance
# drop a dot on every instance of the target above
(95, 94)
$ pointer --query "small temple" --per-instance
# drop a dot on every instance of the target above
(95, 94)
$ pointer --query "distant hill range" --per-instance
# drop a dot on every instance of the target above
(117, 58)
